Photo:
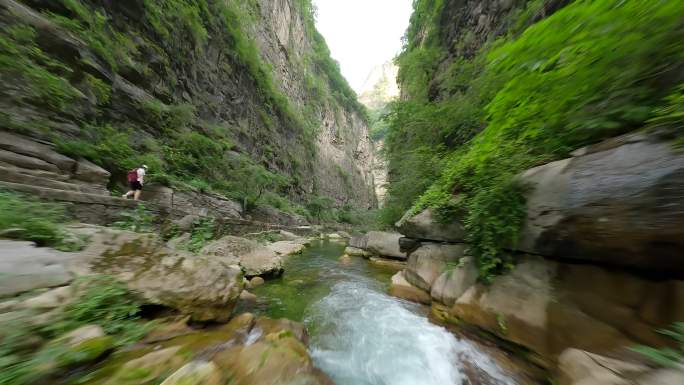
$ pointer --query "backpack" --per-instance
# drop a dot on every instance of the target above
(133, 176)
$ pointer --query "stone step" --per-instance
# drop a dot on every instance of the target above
(68, 196)
(14, 175)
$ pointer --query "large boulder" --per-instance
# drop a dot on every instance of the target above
(401, 288)
(205, 287)
(452, 283)
(549, 306)
(425, 226)
(255, 259)
(430, 260)
(285, 248)
(618, 202)
(358, 241)
(25, 267)
(384, 244)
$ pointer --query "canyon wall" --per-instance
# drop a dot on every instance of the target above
(237, 99)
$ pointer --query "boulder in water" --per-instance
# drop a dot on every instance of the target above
(356, 252)
(430, 260)
(401, 288)
(285, 248)
(453, 282)
(384, 244)
(386, 263)
(533, 306)
(358, 241)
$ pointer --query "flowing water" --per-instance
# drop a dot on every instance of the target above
(362, 336)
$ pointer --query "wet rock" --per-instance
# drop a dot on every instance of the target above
(196, 373)
(283, 327)
(288, 363)
(389, 264)
(150, 368)
(345, 260)
(424, 226)
(401, 288)
(452, 283)
(618, 202)
(247, 296)
(429, 261)
(79, 346)
(525, 307)
(384, 244)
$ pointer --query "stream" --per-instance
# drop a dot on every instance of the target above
(362, 336)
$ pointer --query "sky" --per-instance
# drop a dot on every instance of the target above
(362, 34)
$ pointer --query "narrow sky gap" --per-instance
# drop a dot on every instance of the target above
(362, 34)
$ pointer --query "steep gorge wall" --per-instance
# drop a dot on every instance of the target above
(184, 87)
(344, 157)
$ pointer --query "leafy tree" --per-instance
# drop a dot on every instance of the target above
(319, 205)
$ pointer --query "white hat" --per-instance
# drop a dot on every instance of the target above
(145, 166)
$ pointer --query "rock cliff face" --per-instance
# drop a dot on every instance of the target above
(619, 219)
(344, 157)
(175, 85)
(379, 89)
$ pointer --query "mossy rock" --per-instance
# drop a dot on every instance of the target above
(84, 352)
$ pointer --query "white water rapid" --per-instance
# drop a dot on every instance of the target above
(361, 336)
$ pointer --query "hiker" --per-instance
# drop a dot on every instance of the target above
(136, 179)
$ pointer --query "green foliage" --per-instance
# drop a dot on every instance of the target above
(31, 68)
(671, 115)
(29, 219)
(100, 89)
(203, 231)
(172, 19)
(140, 220)
(585, 73)
(668, 357)
(102, 300)
(93, 27)
(106, 302)
(320, 206)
